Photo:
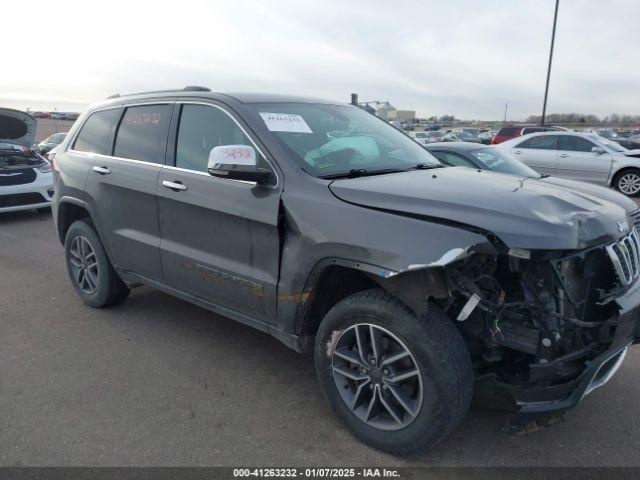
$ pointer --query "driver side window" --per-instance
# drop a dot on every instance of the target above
(202, 128)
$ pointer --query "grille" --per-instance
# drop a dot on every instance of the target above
(20, 199)
(635, 218)
(17, 177)
(625, 256)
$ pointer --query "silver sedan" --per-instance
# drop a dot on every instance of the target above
(587, 157)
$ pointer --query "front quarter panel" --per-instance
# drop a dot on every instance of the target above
(320, 229)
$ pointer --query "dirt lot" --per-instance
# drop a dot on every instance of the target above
(157, 381)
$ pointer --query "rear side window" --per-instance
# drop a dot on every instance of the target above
(202, 128)
(574, 144)
(543, 142)
(508, 131)
(97, 132)
(142, 133)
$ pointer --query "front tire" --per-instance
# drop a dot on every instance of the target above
(399, 383)
(628, 182)
(90, 270)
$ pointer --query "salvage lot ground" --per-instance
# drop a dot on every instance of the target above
(157, 381)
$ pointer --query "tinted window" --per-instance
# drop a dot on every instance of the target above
(141, 135)
(454, 159)
(508, 131)
(543, 142)
(202, 128)
(574, 144)
(97, 131)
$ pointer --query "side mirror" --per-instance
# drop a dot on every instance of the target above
(598, 150)
(236, 162)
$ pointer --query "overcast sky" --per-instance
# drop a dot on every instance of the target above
(463, 57)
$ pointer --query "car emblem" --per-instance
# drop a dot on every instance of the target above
(623, 227)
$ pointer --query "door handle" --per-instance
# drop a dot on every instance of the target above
(563, 155)
(101, 170)
(176, 186)
(518, 152)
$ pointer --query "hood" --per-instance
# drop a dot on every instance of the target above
(16, 127)
(589, 188)
(523, 212)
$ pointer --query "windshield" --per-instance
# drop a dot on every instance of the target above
(327, 140)
(501, 162)
(608, 144)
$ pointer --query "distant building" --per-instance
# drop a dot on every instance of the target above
(402, 115)
(383, 110)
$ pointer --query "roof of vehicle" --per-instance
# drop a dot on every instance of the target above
(456, 146)
(511, 141)
(241, 97)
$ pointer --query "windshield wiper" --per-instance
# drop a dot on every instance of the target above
(361, 172)
(429, 166)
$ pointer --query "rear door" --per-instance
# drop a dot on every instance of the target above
(539, 152)
(577, 162)
(122, 185)
(220, 240)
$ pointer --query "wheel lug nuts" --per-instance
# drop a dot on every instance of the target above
(385, 372)
(363, 371)
(372, 360)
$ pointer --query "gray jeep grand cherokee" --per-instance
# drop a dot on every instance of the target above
(415, 284)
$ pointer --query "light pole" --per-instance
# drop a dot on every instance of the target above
(506, 105)
(546, 88)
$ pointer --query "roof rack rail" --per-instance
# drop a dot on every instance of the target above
(188, 88)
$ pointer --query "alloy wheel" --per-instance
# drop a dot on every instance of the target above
(377, 377)
(84, 264)
(629, 183)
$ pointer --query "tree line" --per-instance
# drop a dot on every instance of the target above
(613, 119)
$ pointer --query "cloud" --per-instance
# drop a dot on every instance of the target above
(462, 57)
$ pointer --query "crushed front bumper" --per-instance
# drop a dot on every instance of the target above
(535, 403)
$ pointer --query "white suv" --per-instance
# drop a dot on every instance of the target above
(26, 181)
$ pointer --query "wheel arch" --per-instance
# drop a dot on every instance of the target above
(69, 210)
(621, 171)
(335, 279)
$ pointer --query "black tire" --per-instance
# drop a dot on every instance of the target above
(622, 182)
(109, 288)
(441, 356)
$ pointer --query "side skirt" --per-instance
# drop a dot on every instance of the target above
(295, 342)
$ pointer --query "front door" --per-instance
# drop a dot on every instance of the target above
(220, 239)
(577, 162)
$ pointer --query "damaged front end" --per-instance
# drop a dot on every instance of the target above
(544, 328)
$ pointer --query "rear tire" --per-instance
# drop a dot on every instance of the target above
(627, 182)
(404, 417)
(90, 271)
